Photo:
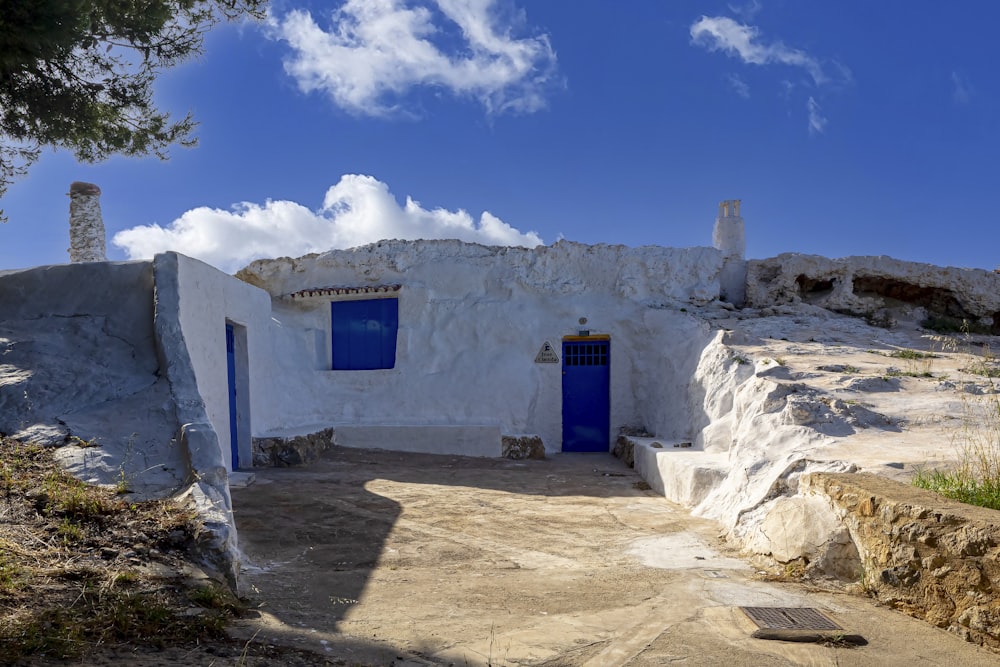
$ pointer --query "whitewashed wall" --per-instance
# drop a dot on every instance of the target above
(471, 320)
(208, 298)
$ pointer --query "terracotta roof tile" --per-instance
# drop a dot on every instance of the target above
(321, 292)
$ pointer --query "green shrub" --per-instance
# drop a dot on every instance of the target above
(976, 478)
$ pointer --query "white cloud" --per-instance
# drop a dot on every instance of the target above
(738, 85)
(961, 89)
(376, 51)
(817, 122)
(739, 40)
(747, 10)
(721, 33)
(357, 210)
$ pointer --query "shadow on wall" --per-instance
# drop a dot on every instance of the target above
(80, 366)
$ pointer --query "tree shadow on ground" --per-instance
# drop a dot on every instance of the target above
(313, 536)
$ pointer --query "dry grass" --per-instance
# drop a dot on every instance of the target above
(74, 563)
(976, 477)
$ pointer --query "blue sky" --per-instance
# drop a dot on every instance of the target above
(850, 128)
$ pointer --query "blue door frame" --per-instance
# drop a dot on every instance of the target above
(586, 395)
(234, 440)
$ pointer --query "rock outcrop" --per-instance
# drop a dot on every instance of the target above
(882, 288)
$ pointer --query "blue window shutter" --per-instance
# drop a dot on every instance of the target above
(341, 326)
(390, 324)
(364, 333)
(363, 328)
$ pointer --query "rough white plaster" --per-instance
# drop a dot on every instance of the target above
(729, 233)
(729, 236)
(471, 321)
(207, 299)
(472, 318)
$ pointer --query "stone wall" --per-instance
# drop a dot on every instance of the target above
(927, 556)
(284, 451)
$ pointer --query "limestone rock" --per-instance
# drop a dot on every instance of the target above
(882, 288)
(806, 529)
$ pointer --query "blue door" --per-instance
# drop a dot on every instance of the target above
(234, 442)
(586, 390)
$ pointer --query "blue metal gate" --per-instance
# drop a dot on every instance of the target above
(586, 392)
(234, 442)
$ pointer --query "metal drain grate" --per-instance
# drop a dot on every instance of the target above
(789, 618)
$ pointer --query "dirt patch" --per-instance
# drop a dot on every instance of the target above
(407, 559)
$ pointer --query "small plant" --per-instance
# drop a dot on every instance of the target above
(982, 370)
(918, 364)
(80, 442)
(69, 531)
(961, 484)
(894, 372)
(911, 354)
(69, 497)
(10, 571)
(214, 596)
(851, 370)
(975, 480)
(124, 579)
(780, 361)
(122, 485)
(984, 366)
(740, 359)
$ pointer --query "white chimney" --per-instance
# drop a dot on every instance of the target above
(729, 236)
(86, 226)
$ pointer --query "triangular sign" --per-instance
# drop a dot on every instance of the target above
(547, 355)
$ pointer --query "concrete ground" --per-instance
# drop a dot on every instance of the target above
(385, 558)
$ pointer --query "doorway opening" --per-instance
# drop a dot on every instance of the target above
(238, 375)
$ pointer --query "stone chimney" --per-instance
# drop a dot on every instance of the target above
(86, 226)
(729, 237)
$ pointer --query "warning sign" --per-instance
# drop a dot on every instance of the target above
(547, 355)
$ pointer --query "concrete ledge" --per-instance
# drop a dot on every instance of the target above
(460, 439)
(680, 474)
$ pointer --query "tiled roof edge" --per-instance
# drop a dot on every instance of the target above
(314, 292)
